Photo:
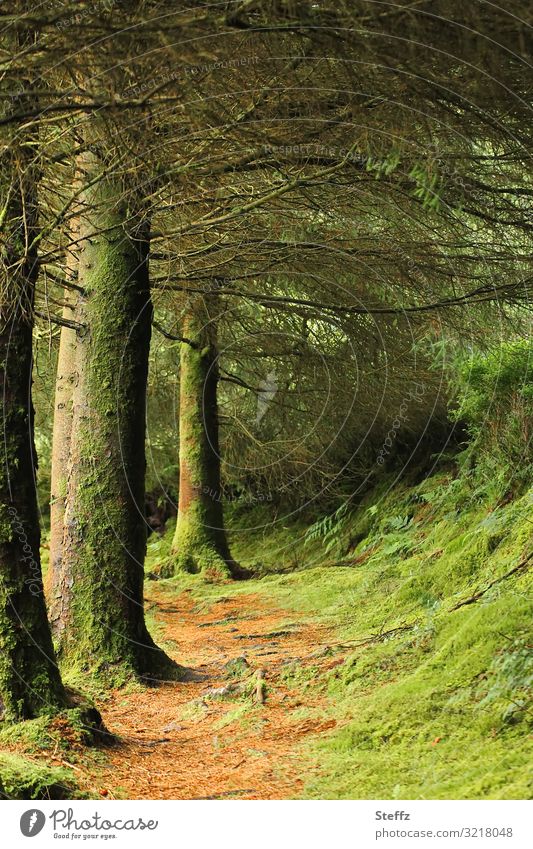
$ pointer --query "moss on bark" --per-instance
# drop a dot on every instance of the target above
(30, 684)
(98, 613)
(200, 542)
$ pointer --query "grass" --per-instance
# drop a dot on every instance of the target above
(441, 707)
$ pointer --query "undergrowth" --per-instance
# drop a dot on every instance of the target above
(21, 778)
(430, 702)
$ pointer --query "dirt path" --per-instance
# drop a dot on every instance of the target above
(181, 742)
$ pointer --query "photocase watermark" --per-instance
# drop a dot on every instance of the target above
(85, 12)
(266, 393)
(314, 150)
(194, 70)
(188, 71)
(34, 579)
(411, 265)
(65, 820)
(32, 822)
(241, 498)
(65, 825)
(416, 395)
(435, 181)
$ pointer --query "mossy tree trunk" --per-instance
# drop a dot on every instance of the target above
(200, 543)
(98, 611)
(30, 682)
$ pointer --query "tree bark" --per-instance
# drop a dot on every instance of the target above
(30, 682)
(98, 612)
(65, 379)
(200, 543)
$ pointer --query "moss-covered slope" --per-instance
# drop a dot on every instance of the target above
(430, 702)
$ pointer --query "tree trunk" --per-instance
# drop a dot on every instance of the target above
(200, 543)
(65, 379)
(30, 683)
(99, 614)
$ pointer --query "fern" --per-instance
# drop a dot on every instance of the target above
(329, 529)
(397, 523)
(511, 680)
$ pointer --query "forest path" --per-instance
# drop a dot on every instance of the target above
(178, 741)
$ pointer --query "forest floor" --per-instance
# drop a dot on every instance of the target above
(397, 665)
(185, 740)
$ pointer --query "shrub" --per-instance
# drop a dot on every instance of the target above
(495, 402)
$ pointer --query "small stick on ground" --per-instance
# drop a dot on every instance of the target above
(375, 638)
(260, 690)
(522, 566)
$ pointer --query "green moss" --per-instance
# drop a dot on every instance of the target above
(34, 734)
(196, 549)
(29, 680)
(21, 778)
(70, 729)
(200, 544)
(441, 707)
(99, 623)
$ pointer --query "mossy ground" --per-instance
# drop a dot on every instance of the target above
(42, 758)
(428, 702)
(441, 707)
(21, 778)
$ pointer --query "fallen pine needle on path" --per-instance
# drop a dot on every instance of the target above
(233, 728)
